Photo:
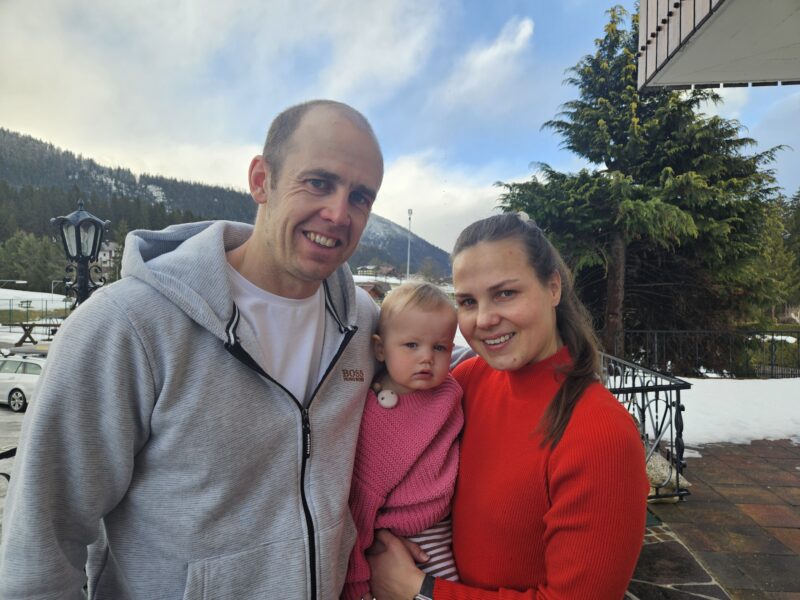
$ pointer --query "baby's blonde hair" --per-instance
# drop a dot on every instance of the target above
(412, 294)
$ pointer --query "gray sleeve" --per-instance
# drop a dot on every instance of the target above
(85, 423)
(460, 353)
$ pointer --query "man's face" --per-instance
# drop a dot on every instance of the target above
(319, 206)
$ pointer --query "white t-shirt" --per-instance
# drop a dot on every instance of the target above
(290, 333)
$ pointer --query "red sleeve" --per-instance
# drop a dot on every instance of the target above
(595, 524)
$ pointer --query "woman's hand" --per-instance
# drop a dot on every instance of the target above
(395, 576)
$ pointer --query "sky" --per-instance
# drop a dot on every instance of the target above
(456, 90)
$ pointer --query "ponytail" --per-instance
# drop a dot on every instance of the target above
(573, 320)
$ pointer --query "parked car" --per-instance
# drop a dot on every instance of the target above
(19, 375)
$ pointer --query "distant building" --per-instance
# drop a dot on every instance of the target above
(367, 270)
(708, 43)
(376, 289)
(108, 260)
(383, 271)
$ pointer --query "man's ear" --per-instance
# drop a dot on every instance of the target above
(259, 179)
(377, 347)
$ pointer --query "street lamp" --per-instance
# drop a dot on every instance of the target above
(408, 254)
(81, 234)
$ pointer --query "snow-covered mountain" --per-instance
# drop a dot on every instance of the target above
(384, 241)
(25, 161)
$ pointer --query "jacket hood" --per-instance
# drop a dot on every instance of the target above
(187, 264)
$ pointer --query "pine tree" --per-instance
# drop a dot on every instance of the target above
(790, 218)
(670, 220)
(39, 260)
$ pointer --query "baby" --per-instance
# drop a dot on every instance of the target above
(407, 454)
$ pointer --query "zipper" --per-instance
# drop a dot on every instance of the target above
(235, 348)
(306, 434)
(312, 559)
(312, 550)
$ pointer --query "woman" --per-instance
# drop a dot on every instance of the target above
(551, 492)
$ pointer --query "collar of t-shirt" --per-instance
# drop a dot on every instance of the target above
(290, 333)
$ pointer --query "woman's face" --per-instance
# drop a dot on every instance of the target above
(505, 313)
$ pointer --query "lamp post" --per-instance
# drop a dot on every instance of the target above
(81, 234)
(408, 254)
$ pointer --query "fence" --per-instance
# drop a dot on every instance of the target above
(746, 354)
(654, 399)
(26, 311)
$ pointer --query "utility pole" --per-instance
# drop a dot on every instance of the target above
(408, 255)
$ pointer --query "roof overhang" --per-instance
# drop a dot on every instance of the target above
(705, 43)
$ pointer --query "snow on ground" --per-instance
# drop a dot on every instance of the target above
(15, 296)
(741, 410)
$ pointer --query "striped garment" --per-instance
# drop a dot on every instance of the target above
(437, 542)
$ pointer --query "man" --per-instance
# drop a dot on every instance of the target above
(196, 422)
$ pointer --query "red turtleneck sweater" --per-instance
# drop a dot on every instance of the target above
(530, 522)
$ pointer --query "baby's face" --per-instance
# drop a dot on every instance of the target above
(416, 347)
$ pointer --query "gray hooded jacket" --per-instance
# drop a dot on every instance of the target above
(157, 441)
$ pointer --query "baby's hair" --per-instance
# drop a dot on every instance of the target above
(412, 294)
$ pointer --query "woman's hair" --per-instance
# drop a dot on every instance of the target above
(413, 294)
(573, 321)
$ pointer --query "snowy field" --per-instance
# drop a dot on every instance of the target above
(741, 410)
(15, 299)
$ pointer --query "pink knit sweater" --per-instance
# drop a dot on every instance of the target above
(405, 470)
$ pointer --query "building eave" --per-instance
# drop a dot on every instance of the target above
(708, 43)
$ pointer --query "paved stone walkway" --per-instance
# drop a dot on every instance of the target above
(742, 520)
(668, 570)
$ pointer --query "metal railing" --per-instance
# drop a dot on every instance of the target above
(5, 453)
(19, 310)
(744, 354)
(654, 399)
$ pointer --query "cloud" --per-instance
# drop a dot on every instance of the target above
(779, 126)
(117, 78)
(490, 79)
(444, 198)
(111, 67)
(734, 102)
(212, 164)
(369, 63)
(771, 120)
